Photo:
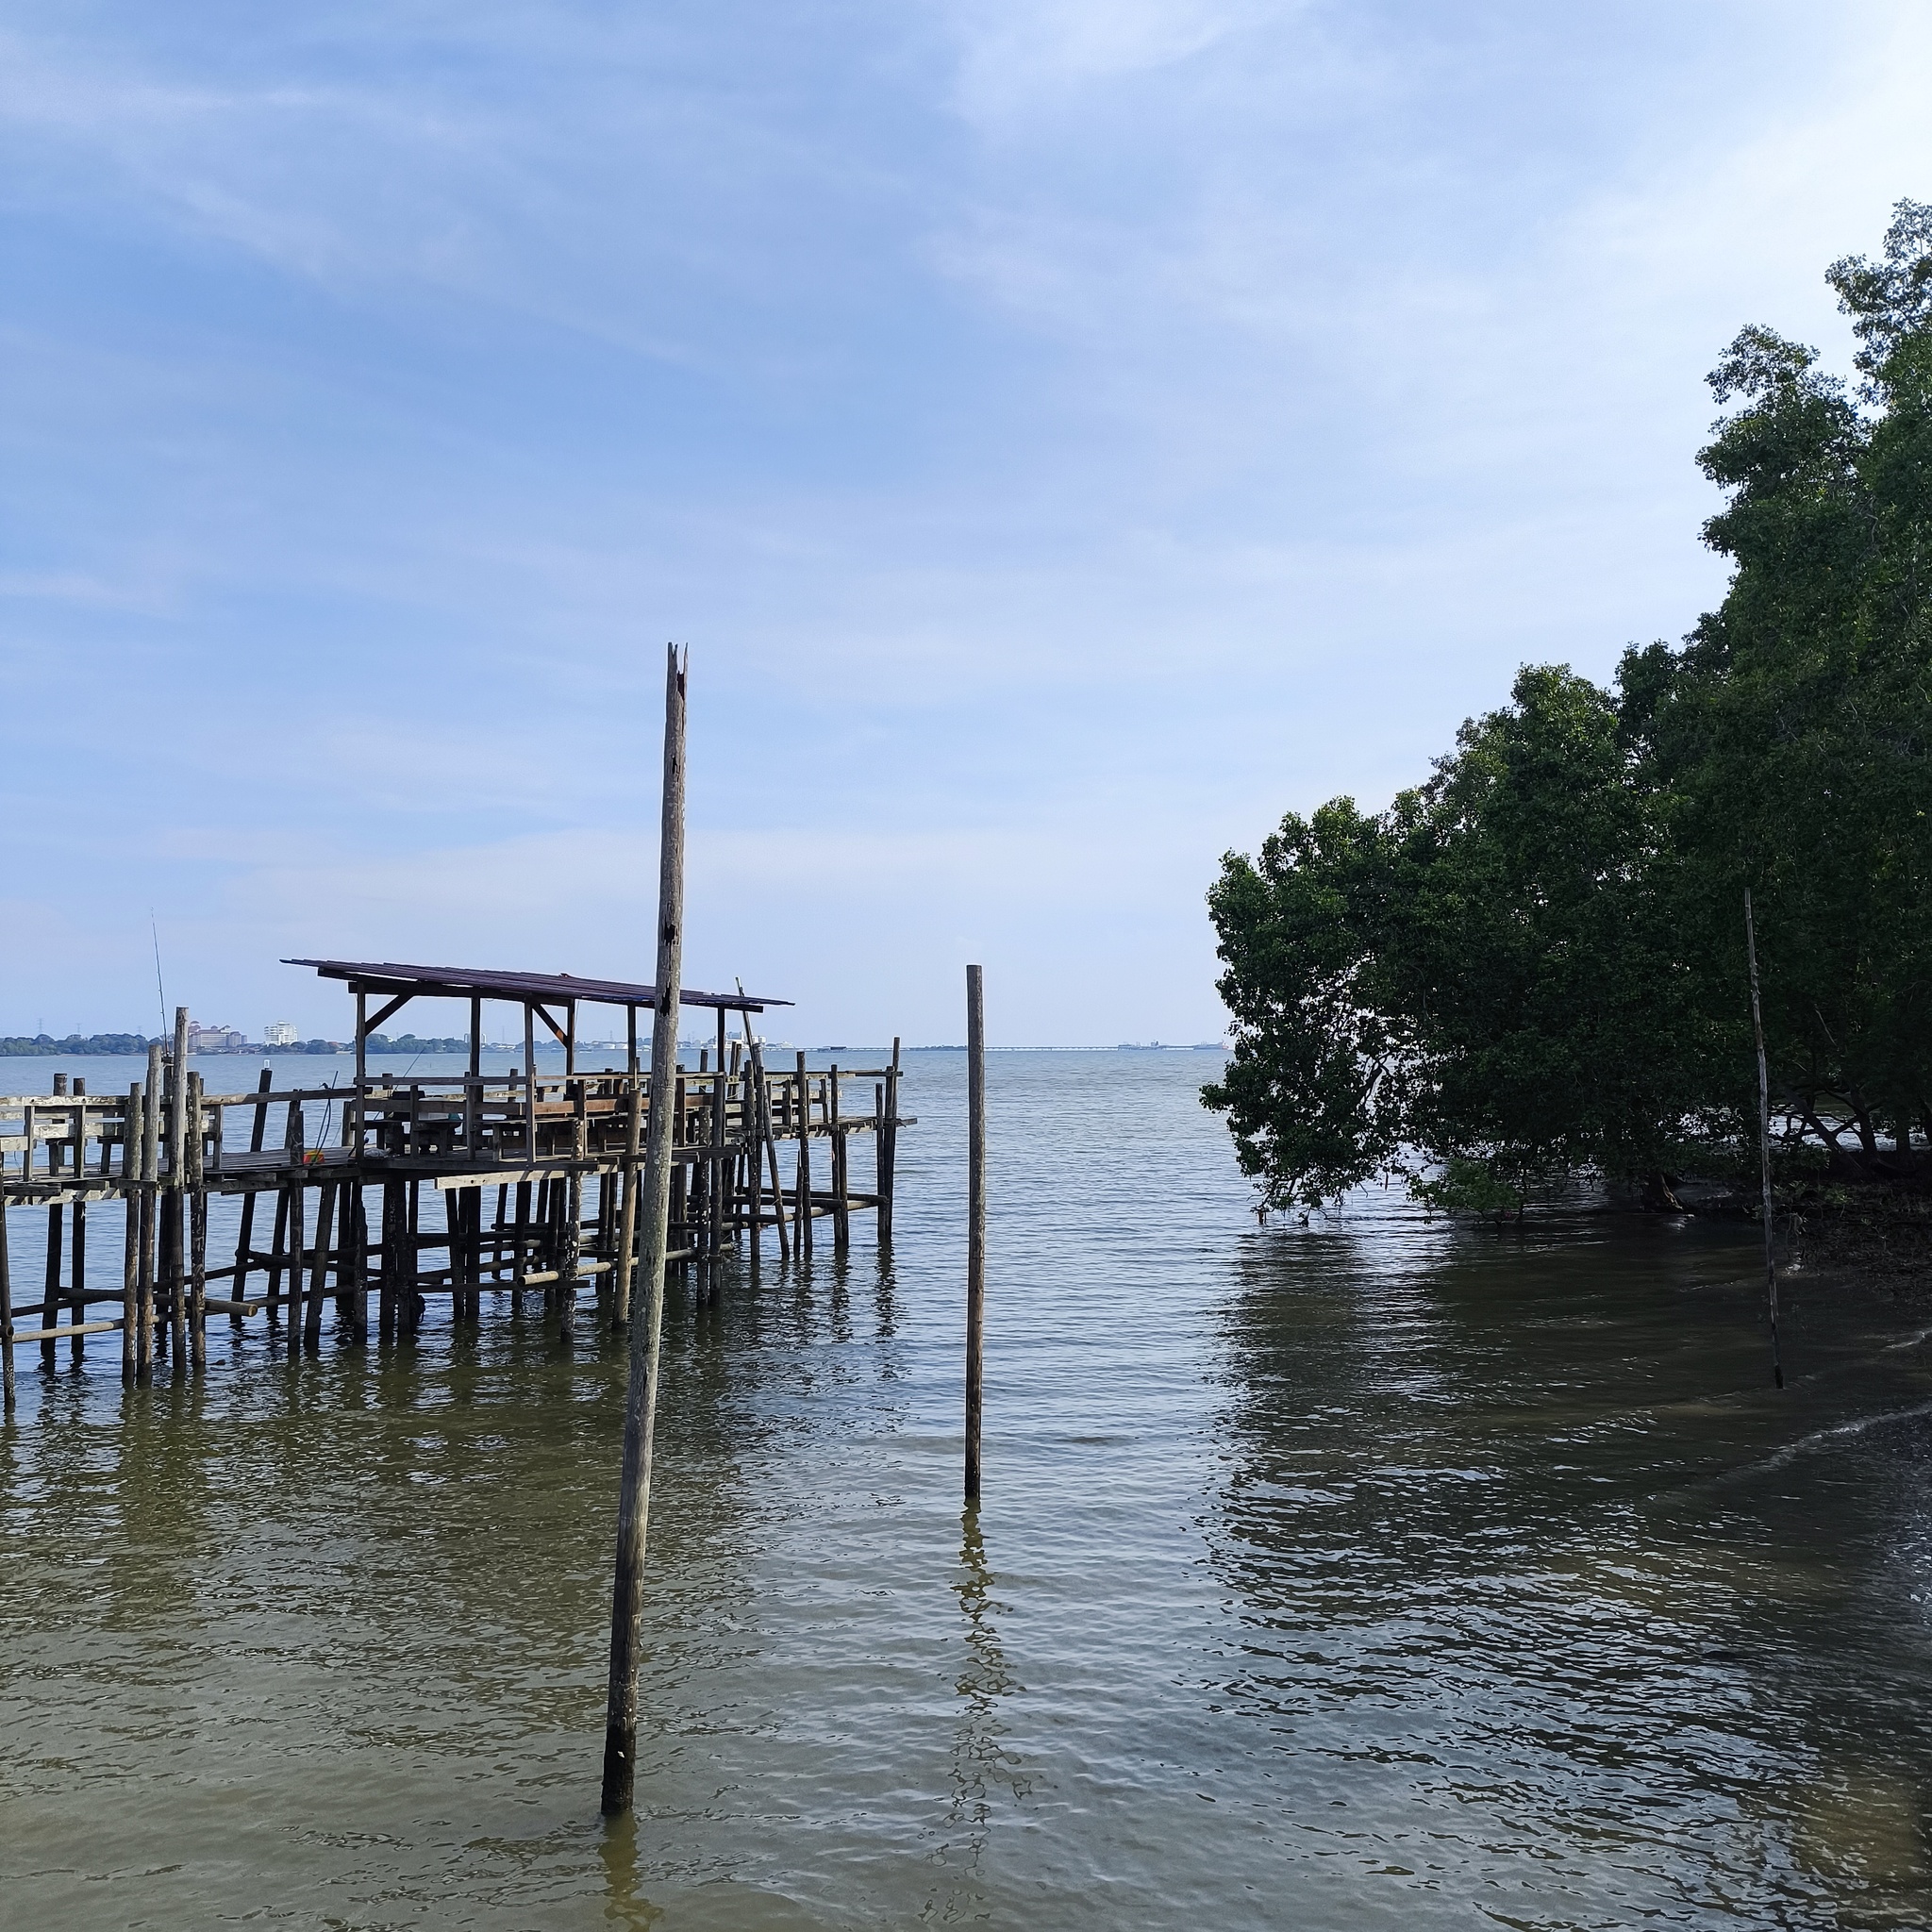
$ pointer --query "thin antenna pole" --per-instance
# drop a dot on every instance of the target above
(640, 1397)
(160, 991)
(1778, 1371)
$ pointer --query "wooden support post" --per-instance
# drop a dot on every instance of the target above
(409, 1305)
(395, 1233)
(352, 1268)
(721, 1172)
(680, 1176)
(50, 1301)
(976, 1222)
(150, 1172)
(318, 1267)
(755, 1145)
(888, 1149)
(76, 1301)
(194, 1204)
(475, 1040)
(243, 1242)
(172, 1231)
(521, 1261)
(841, 1204)
(130, 1234)
(6, 1303)
(641, 1399)
(627, 1209)
(803, 1219)
(530, 1082)
(570, 1250)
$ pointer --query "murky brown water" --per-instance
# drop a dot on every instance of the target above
(1367, 1575)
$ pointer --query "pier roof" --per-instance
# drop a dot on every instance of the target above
(480, 982)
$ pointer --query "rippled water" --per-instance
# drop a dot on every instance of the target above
(1366, 1574)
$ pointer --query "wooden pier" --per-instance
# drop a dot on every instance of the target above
(360, 1203)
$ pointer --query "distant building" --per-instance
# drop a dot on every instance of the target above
(215, 1039)
(279, 1033)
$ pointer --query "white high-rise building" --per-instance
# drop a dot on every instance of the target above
(279, 1033)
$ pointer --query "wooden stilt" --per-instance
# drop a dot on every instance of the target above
(803, 1221)
(243, 1242)
(76, 1301)
(318, 1270)
(196, 1210)
(976, 1223)
(641, 1399)
(50, 1301)
(841, 1199)
(886, 1151)
(6, 1303)
(150, 1232)
(130, 1234)
(174, 1263)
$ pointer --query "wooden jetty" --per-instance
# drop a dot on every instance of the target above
(409, 1188)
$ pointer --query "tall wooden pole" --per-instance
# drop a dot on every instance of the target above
(641, 1399)
(976, 1222)
(1777, 1368)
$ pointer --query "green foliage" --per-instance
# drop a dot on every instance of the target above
(44, 1045)
(1532, 964)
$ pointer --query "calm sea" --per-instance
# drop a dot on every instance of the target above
(1372, 1572)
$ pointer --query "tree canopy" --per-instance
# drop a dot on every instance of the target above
(1532, 963)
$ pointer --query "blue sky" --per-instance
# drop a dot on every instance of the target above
(1067, 435)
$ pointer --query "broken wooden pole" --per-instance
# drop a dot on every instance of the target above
(976, 1222)
(640, 1397)
(1777, 1367)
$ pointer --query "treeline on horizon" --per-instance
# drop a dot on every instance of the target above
(109, 1044)
(1533, 964)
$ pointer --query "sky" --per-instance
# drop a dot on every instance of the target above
(1067, 435)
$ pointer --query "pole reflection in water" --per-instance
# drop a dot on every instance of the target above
(980, 1758)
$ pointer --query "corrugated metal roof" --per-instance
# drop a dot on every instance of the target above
(467, 982)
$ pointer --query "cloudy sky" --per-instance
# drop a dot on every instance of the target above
(1068, 435)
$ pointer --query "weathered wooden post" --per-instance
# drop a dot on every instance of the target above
(245, 1256)
(627, 1212)
(150, 1186)
(641, 1398)
(6, 1303)
(174, 1202)
(888, 1149)
(1777, 1367)
(194, 1203)
(130, 1234)
(976, 1222)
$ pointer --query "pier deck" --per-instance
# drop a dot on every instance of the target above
(390, 1191)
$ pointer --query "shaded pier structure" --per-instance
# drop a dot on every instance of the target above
(360, 1203)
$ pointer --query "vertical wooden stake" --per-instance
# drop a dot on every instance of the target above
(130, 1238)
(150, 1172)
(1777, 1367)
(627, 1212)
(50, 1304)
(802, 1218)
(641, 1398)
(5, 1304)
(194, 1206)
(244, 1259)
(976, 1222)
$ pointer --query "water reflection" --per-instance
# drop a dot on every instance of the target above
(1518, 1536)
